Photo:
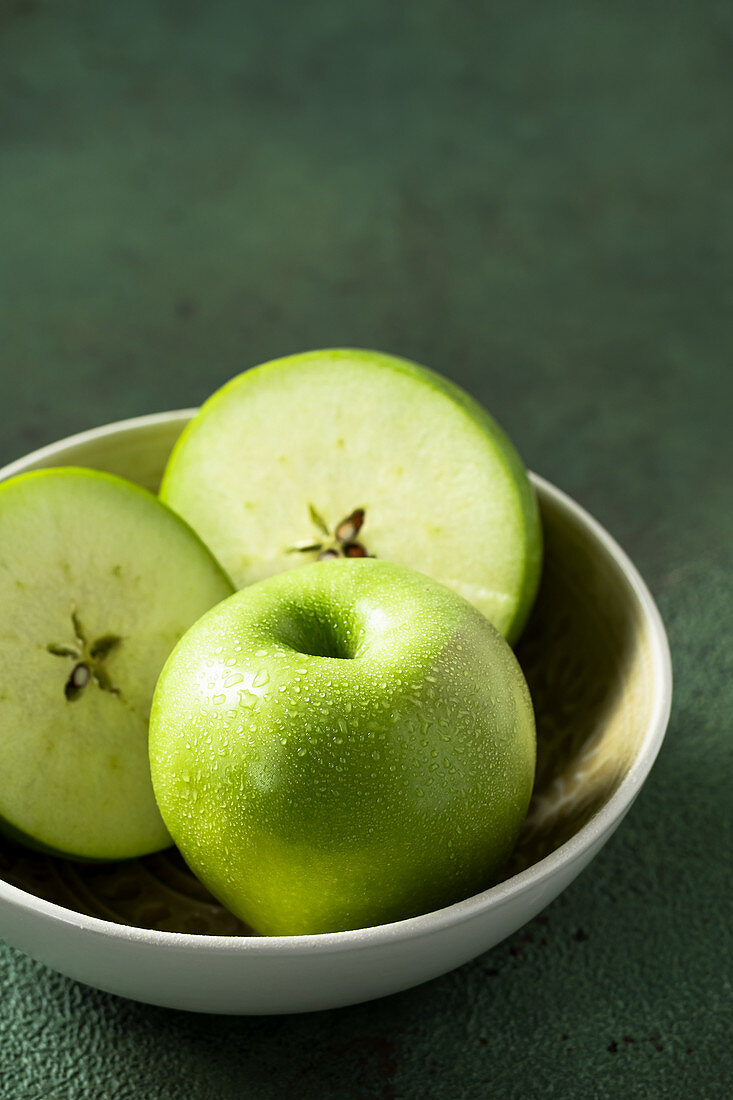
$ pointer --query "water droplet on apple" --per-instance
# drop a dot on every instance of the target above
(218, 700)
(262, 677)
(233, 678)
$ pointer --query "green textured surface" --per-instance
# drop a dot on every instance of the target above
(534, 199)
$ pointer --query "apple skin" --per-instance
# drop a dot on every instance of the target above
(342, 745)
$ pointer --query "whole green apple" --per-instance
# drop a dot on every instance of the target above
(342, 745)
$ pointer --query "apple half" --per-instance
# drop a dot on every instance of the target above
(98, 581)
(345, 453)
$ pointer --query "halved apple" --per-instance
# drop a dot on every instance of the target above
(98, 581)
(345, 453)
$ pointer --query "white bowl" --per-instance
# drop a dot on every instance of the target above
(597, 661)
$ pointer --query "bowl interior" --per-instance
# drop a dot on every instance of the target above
(585, 653)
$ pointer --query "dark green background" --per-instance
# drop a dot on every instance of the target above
(533, 198)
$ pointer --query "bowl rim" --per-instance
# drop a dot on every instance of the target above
(495, 897)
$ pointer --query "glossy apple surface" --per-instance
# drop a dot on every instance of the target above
(345, 452)
(342, 745)
(98, 581)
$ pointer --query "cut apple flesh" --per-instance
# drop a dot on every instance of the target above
(345, 453)
(98, 581)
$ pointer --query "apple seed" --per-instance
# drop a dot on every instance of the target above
(78, 680)
(349, 528)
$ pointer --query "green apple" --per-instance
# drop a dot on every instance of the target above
(346, 453)
(98, 581)
(342, 745)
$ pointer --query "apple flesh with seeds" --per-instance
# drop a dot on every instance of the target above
(345, 453)
(342, 745)
(98, 581)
